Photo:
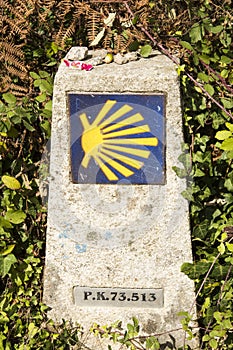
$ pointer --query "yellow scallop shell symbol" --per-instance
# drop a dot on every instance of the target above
(108, 141)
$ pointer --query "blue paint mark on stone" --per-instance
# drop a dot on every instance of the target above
(65, 257)
(63, 235)
(81, 248)
(108, 235)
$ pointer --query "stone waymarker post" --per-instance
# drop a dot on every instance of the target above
(118, 228)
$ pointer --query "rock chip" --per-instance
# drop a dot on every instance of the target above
(119, 59)
(98, 53)
(131, 56)
(95, 61)
(77, 53)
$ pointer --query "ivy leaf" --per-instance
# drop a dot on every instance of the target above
(195, 270)
(38, 52)
(181, 173)
(52, 63)
(229, 185)
(7, 250)
(227, 144)
(145, 51)
(205, 58)
(4, 223)
(199, 173)
(6, 263)
(188, 194)
(230, 154)
(46, 127)
(9, 98)
(223, 134)
(45, 86)
(209, 88)
(195, 33)
(48, 105)
(152, 343)
(15, 216)
(226, 59)
(11, 182)
(213, 343)
(185, 159)
(114, 339)
(134, 46)
(230, 247)
(28, 126)
(216, 29)
(227, 103)
(224, 73)
(44, 74)
(37, 82)
(203, 77)
(135, 20)
(32, 329)
(186, 45)
(34, 75)
(135, 322)
(201, 230)
(41, 98)
(221, 248)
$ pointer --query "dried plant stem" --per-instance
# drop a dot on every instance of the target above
(211, 70)
(176, 61)
(223, 81)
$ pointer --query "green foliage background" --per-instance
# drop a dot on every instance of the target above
(199, 33)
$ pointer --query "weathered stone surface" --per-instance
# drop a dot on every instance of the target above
(150, 221)
(77, 53)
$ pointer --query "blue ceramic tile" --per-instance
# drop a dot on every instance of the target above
(117, 138)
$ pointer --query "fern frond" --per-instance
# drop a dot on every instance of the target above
(93, 24)
(80, 8)
(137, 34)
(17, 13)
(24, 8)
(120, 43)
(46, 5)
(17, 90)
(4, 83)
(68, 33)
(140, 3)
(16, 72)
(15, 27)
(107, 40)
(11, 49)
(144, 19)
(64, 33)
(63, 8)
(14, 62)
